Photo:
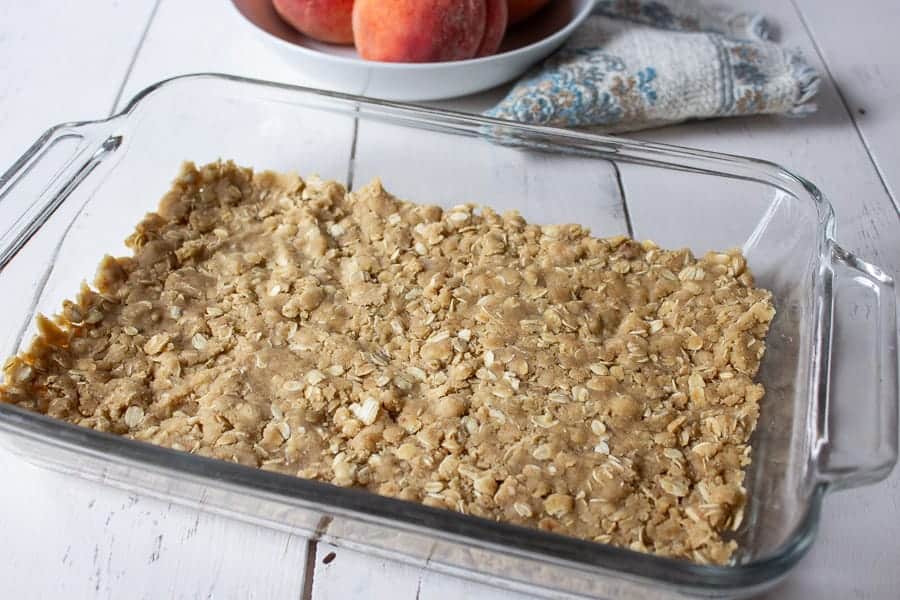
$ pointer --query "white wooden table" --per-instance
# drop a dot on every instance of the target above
(70, 61)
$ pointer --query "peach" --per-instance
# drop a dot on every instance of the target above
(419, 30)
(495, 27)
(323, 20)
(519, 10)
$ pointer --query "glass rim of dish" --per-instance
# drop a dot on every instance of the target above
(365, 506)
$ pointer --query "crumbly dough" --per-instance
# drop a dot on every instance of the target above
(600, 388)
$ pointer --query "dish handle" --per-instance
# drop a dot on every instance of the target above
(857, 442)
(42, 178)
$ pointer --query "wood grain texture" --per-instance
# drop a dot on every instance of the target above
(203, 36)
(859, 44)
(62, 62)
(341, 573)
(857, 551)
(100, 542)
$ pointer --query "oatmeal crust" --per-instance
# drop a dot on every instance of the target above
(599, 388)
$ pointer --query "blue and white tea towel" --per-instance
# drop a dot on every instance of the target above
(636, 64)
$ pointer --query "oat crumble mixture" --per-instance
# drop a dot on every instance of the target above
(599, 388)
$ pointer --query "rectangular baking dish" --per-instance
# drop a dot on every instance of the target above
(828, 421)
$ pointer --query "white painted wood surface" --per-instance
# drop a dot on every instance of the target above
(67, 538)
(61, 63)
(179, 38)
(859, 43)
(151, 549)
(99, 542)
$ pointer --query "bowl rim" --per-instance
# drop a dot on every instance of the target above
(557, 37)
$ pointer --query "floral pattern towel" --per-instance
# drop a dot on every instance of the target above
(636, 64)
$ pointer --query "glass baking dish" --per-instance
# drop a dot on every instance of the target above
(828, 421)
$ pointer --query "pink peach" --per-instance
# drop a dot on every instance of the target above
(323, 20)
(495, 27)
(419, 30)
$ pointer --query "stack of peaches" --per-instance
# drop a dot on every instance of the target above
(409, 30)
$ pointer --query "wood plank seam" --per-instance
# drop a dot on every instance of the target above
(309, 569)
(134, 57)
(624, 200)
(352, 162)
(845, 104)
(312, 552)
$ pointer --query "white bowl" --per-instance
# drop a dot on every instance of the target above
(340, 68)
